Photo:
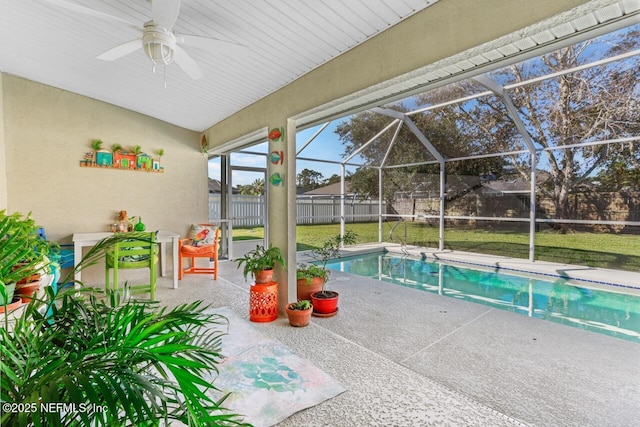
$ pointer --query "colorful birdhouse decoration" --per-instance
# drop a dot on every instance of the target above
(120, 158)
(104, 158)
(144, 161)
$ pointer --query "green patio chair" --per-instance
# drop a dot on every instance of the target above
(141, 252)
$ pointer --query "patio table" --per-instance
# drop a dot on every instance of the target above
(81, 240)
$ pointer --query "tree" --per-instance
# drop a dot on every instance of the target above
(440, 130)
(160, 153)
(622, 173)
(583, 106)
(309, 179)
(256, 188)
(335, 178)
(588, 105)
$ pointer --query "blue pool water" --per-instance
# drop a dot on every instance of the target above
(557, 300)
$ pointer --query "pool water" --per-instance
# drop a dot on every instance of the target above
(558, 300)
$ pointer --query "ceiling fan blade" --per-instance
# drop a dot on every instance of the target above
(165, 12)
(187, 64)
(90, 12)
(121, 50)
(212, 45)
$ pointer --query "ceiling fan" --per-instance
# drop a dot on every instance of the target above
(159, 42)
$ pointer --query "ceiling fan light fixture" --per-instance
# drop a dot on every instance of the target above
(159, 45)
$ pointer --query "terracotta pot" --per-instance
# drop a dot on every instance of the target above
(325, 302)
(15, 303)
(26, 291)
(263, 276)
(305, 289)
(299, 318)
(30, 279)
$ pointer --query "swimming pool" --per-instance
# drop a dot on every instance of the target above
(557, 300)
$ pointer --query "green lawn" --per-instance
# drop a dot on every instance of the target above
(607, 250)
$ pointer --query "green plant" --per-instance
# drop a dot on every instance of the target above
(22, 252)
(304, 304)
(96, 144)
(126, 362)
(260, 259)
(309, 272)
(331, 249)
(160, 153)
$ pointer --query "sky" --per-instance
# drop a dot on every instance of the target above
(325, 146)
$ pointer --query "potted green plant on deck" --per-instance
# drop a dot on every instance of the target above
(126, 362)
(260, 263)
(325, 303)
(310, 278)
(299, 313)
(23, 254)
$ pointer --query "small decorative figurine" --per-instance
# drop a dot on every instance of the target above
(123, 222)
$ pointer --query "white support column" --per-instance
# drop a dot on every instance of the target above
(442, 188)
(532, 210)
(280, 213)
(513, 113)
(226, 188)
(292, 213)
(380, 205)
(343, 193)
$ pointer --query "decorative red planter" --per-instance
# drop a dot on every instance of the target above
(324, 306)
(263, 302)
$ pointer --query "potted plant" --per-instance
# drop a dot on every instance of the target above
(260, 263)
(309, 279)
(325, 303)
(23, 254)
(299, 312)
(128, 362)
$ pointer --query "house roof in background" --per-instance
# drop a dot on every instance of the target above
(215, 186)
(328, 190)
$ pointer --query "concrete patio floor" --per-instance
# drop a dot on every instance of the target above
(412, 358)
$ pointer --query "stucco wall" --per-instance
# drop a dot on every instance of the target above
(46, 133)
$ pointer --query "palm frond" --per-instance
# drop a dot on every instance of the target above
(140, 362)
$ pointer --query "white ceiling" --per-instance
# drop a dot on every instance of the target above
(286, 39)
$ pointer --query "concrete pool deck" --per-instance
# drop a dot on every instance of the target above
(412, 358)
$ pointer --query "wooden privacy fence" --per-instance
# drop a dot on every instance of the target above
(249, 211)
